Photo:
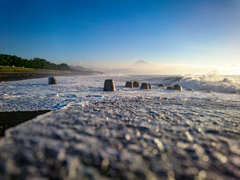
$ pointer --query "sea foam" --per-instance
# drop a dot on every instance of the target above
(212, 82)
(36, 94)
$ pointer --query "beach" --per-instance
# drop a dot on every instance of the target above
(30, 73)
(127, 134)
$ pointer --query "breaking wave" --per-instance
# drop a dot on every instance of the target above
(211, 82)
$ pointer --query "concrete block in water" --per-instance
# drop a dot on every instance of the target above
(52, 80)
(135, 84)
(129, 84)
(109, 85)
(177, 87)
(169, 88)
(161, 85)
(149, 86)
(144, 86)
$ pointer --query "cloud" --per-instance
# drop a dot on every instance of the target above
(77, 63)
(233, 67)
(231, 70)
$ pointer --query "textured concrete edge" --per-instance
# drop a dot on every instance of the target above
(31, 121)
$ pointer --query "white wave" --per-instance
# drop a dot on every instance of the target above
(36, 94)
(211, 82)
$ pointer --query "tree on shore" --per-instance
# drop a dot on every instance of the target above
(37, 63)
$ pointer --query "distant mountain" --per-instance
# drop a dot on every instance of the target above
(139, 67)
(140, 62)
(80, 68)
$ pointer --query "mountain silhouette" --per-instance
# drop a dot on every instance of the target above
(139, 67)
(80, 68)
(140, 62)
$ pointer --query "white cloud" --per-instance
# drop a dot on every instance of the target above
(231, 70)
(234, 67)
(77, 63)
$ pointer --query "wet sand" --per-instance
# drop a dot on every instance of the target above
(15, 76)
(20, 76)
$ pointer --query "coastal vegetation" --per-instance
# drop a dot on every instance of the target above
(35, 63)
(15, 69)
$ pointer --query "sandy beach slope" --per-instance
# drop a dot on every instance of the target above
(29, 73)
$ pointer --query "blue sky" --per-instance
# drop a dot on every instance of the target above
(120, 32)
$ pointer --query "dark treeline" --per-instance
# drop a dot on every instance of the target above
(37, 63)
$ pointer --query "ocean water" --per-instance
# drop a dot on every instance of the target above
(36, 94)
(210, 82)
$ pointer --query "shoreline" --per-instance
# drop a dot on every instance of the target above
(17, 76)
(21, 76)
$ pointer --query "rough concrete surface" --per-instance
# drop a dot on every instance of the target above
(127, 138)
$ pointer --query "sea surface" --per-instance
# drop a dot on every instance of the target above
(127, 134)
(36, 94)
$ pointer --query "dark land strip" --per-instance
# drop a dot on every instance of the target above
(41, 73)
